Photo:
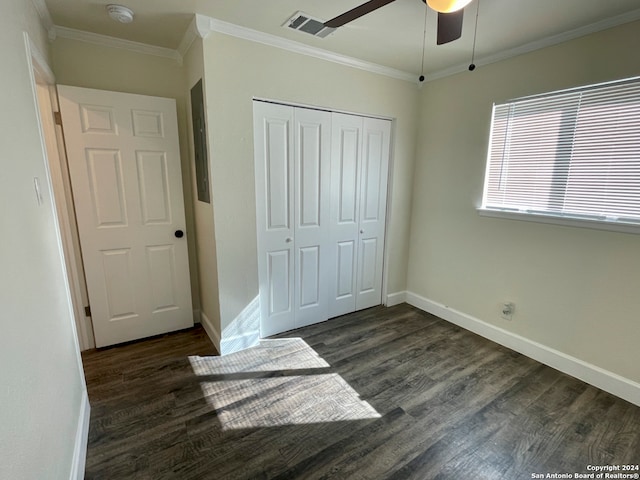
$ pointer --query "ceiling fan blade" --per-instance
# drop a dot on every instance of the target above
(449, 26)
(357, 12)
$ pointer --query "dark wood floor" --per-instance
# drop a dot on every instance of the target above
(380, 394)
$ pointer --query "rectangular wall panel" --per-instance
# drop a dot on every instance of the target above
(119, 283)
(147, 123)
(369, 251)
(279, 283)
(372, 176)
(106, 185)
(153, 182)
(309, 184)
(309, 265)
(162, 277)
(345, 268)
(277, 168)
(98, 119)
(348, 175)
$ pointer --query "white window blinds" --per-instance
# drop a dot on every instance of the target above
(572, 154)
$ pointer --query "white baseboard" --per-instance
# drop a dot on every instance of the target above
(212, 332)
(396, 298)
(596, 376)
(239, 342)
(82, 439)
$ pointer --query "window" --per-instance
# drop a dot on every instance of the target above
(568, 155)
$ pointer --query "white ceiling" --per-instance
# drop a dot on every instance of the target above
(391, 36)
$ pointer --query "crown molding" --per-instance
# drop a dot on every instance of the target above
(107, 41)
(215, 25)
(540, 44)
(45, 18)
(199, 27)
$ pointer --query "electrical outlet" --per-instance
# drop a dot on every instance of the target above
(506, 310)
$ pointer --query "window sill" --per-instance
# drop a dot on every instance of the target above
(565, 221)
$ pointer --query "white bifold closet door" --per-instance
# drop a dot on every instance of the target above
(359, 172)
(321, 181)
(292, 148)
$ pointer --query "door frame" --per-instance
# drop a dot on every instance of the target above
(385, 257)
(43, 78)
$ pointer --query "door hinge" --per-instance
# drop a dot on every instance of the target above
(57, 117)
(87, 310)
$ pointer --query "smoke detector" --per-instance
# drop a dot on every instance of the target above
(120, 13)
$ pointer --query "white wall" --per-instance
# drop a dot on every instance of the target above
(42, 385)
(83, 64)
(575, 290)
(205, 237)
(237, 70)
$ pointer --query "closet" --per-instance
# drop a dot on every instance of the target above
(321, 199)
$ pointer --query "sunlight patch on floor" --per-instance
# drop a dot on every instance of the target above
(264, 387)
(268, 356)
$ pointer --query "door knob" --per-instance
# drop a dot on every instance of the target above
(289, 240)
(179, 233)
(361, 231)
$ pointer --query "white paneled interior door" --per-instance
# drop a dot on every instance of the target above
(321, 189)
(124, 163)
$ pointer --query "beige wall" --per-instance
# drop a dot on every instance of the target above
(42, 386)
(238, 70)
(575, 289)
(83, 64)
(205, 231)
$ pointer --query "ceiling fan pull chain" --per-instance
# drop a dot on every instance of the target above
(424, 41)
(472, 66)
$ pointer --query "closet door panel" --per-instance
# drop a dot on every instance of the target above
(309, 268)
(277, 170)
(347, 174)
(274, 168)
(312, 163)
(372, 165)
(346, 142)
(367, 271)
(346, 264)
(279, 280)
(373, 207)
(309, 180)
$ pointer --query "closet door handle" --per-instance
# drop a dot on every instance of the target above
(289, 240)
(361, 231)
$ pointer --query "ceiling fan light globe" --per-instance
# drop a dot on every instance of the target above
(447, 6)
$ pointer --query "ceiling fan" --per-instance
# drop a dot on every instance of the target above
(450, 13)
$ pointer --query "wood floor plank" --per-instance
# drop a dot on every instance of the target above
(454, 422)
(382, 393)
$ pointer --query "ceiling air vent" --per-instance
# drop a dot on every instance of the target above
(304, 23)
